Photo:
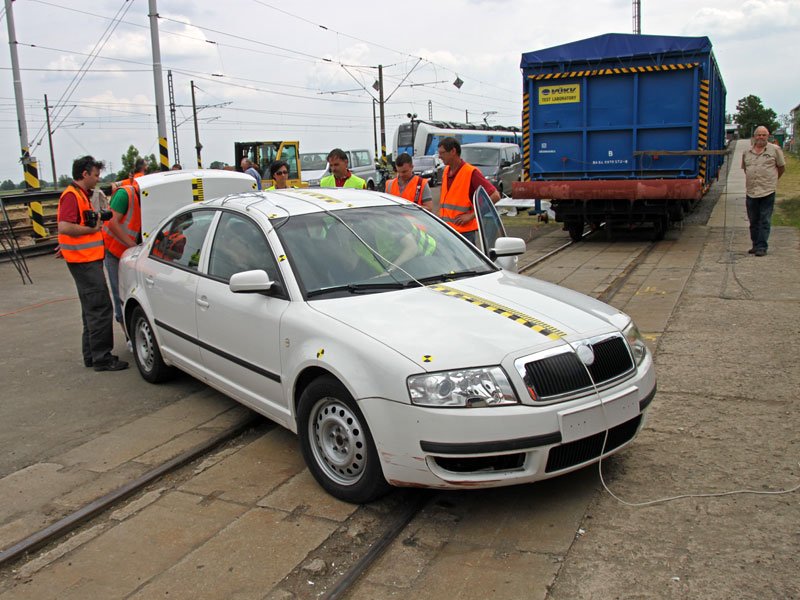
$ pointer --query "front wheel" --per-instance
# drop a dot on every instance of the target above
(145, 349)
(337, 444)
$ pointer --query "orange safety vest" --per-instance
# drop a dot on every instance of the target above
(412, 191)
(454, 201)
(131, 224)
(81, 248)
(131, 180)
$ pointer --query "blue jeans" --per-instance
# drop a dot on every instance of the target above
(759, 213)
(112, 268)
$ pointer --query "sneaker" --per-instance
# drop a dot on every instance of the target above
(751, 251)
(114, 364)
(761, 252)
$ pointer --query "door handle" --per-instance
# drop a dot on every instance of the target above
(202, 302)
(149, 281)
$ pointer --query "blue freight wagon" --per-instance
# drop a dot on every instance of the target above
(621, 128)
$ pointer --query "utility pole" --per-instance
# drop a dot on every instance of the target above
(50, 139)
(466, 115)
(383, 116)
(374, 130)
(29, 165)
(430, 110)
(198, 146)
(637, 17)
(172, 117)
(159, 86)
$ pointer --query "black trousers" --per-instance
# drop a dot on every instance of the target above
(97, 312)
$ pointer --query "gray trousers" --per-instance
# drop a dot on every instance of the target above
(97, 312)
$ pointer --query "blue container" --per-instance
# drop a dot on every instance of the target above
(602, 107)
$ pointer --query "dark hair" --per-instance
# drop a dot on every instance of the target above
(176, 167)
(337, 153)
(85, 163)
(276, 166)
(139, 164)
(449, 143)
(404, 159)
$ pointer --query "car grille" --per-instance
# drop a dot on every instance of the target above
(588, 448)
(565, 373)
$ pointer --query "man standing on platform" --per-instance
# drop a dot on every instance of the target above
(763, 165)
(409, 186)
(459, 182)
(80, 238)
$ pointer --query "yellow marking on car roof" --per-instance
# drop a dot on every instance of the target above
(320, 352)
(318, 196)
(518, 317)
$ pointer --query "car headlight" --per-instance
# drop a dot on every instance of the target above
(464, 388)
(428, 172)
(636, 342)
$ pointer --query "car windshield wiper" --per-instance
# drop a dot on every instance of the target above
(357, 288)
(447, 276)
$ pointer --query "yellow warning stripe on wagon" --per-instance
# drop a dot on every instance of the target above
(509, 313)
(614, 71)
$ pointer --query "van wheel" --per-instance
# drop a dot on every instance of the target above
(145, 350)
(371, 185)
(337, 444)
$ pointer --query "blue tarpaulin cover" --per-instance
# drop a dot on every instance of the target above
(613, 46)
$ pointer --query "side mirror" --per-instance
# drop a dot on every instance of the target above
(505, 164)
(251, 282)
(507, 246)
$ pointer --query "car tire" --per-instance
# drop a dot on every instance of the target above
(337, 444)
(145, 349)
(371, 185)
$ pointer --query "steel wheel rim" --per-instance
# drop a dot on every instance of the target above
(144, 345)
(338, 441)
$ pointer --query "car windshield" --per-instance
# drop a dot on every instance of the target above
(480, 156)
(375, 249)
(424, 162)
(313, 161)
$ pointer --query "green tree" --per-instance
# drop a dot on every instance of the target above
(129, 158)
(217, 164)
(64, 181)
(750, 113)
(7, 185)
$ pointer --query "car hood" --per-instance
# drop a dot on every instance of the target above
(476, 321)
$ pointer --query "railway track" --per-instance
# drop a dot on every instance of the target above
(404, 505)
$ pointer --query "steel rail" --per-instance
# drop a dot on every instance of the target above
(77, 518)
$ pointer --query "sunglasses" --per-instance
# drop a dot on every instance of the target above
(281, 172)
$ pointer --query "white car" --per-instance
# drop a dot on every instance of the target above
(398, 352)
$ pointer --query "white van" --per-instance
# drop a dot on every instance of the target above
(360, 163)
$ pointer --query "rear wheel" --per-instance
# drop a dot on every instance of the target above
(660, 226)
(371, 185)
(337, 444)
(145, 349)
(575, 229)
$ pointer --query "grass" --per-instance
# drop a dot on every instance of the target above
(787, 207)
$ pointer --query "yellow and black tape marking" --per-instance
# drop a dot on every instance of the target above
(163, 153)
(282, 258)
(526, 139)
(509, 313)
(320, 352)
(614, 71)
(32, 175)
(426, 358)
(318, 196)
(197, 190)
(145, 193)
(36, 213)
(702, 128)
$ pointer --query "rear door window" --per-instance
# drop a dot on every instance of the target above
(181, 241)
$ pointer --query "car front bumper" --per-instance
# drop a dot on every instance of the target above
(499, 446)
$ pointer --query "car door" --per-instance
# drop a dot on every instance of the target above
(490, 225)
(239, 332)
(171, 284)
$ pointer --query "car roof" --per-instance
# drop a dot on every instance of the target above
(300, 201)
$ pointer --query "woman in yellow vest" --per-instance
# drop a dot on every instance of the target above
(340, 175)
(279, 173)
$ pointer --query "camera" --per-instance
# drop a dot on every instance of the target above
(90, 217)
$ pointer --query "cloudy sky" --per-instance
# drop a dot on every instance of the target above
(265, 70)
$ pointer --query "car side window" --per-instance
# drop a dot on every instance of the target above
(239, 245)
(362, 158)
(181, 241)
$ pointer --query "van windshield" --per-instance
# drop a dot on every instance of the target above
(480, 156)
